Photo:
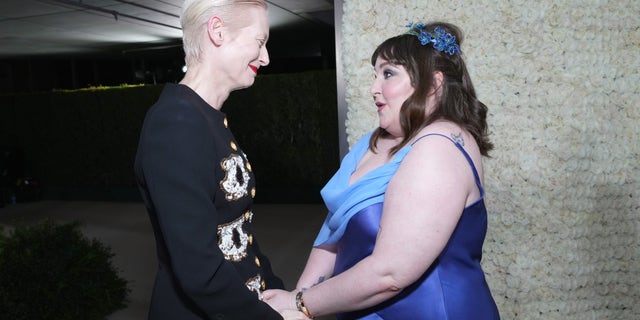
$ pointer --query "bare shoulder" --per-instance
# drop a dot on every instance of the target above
(435, 165)
(430, 141)
(450, 130)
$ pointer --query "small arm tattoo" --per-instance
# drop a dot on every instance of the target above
(458, 138)
(315, 284)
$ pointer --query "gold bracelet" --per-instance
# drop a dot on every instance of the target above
(300, 305)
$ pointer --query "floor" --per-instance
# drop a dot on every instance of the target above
(285, 231)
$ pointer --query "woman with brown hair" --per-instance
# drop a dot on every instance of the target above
(407, 220)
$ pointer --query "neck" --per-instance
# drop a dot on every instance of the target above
(206, 86)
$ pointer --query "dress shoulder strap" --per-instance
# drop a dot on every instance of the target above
(464, 152)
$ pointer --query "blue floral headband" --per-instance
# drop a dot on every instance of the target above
(442, 40)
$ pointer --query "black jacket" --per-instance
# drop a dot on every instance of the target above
(198, 189)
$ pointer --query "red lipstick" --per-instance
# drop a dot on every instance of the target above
(254, 69)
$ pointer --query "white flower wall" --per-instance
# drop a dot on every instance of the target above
(561, 81)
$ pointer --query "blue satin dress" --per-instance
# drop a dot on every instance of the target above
(453, 288)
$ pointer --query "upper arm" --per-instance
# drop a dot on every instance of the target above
(422, 206)
(176, 150)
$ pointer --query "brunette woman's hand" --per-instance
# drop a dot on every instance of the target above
(293, 315)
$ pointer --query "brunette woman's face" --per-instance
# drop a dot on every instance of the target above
(390, 89)
(247, 47)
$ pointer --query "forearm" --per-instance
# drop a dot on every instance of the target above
(319, 267)
(366, 284)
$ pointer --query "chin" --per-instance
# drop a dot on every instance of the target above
(250, 82)
(244, 85)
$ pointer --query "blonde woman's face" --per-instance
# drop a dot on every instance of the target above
(246, 47)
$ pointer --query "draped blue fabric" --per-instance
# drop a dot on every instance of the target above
(453, 287)
(343, 200)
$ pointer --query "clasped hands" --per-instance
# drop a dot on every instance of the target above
(284, 302)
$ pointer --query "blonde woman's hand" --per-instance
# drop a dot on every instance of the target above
(280, 299)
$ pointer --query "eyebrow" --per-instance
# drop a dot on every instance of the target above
(386, 63)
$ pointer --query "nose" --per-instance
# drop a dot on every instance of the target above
(375, 87)
(264, 56)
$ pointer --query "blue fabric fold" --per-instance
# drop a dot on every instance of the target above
(343, 200)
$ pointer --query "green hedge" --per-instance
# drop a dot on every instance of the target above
(81, 144)
(53, 271)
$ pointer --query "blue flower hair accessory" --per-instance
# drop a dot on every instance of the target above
(442, 40)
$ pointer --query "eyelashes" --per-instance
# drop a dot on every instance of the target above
(386, 74)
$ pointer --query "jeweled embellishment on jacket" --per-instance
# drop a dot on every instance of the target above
(255, 284)
(234, 187)
(233, 240)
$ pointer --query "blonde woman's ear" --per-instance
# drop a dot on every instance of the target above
(215, 30)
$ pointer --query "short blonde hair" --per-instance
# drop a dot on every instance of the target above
(195, 16)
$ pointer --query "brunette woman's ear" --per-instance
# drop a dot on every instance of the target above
(436, 84)
(438, 80)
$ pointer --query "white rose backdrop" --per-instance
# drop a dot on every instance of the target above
(561, 81)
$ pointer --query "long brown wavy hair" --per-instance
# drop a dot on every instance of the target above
(458, 102)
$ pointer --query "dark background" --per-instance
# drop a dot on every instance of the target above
(65, 136)
(295, 48)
